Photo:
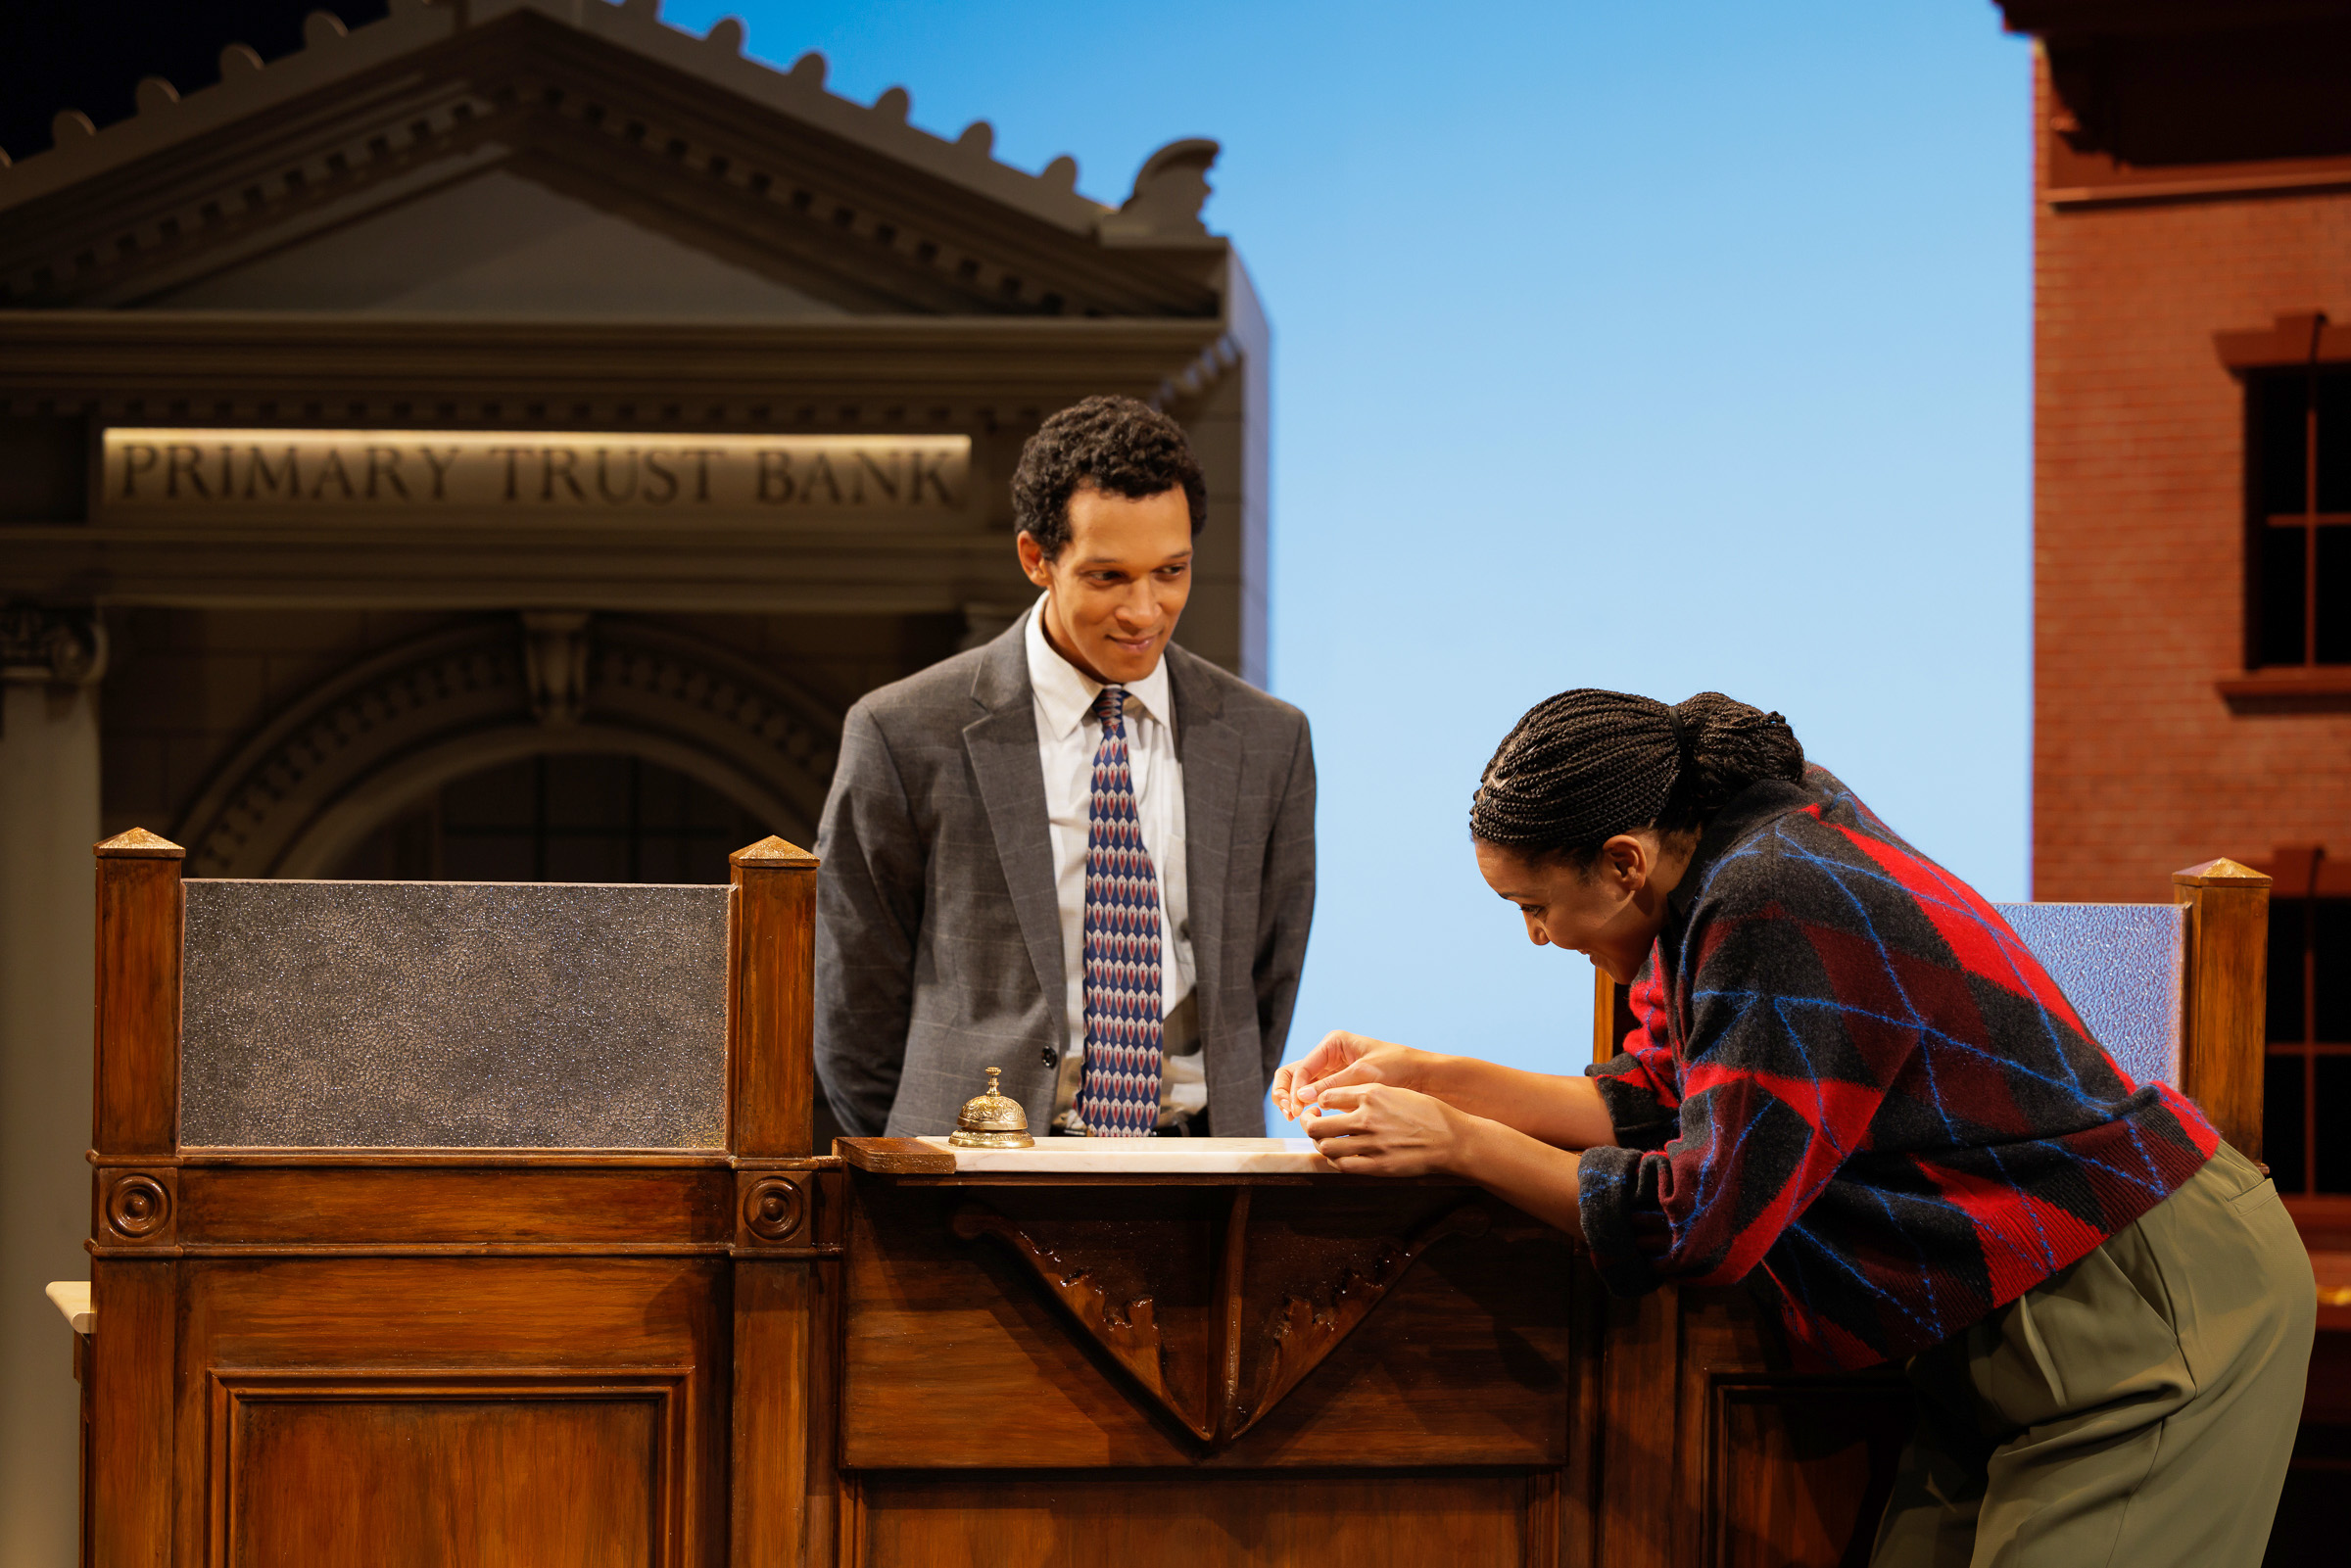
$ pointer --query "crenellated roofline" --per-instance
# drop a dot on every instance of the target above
(763, 165)
(330, 53)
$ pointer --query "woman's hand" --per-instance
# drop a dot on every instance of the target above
(1344, 1060)
(1376, 1129)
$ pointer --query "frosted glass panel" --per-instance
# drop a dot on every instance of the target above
(2120, 966)
(453, 1015)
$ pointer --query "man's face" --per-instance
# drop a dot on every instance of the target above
(1119, 584)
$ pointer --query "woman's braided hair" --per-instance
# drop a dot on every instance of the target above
(1586, 764)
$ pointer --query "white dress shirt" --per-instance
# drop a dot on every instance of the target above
(1067, 738)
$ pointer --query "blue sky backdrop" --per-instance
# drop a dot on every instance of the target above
(1664, 346)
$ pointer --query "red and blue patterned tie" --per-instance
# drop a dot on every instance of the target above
(1120, 1096)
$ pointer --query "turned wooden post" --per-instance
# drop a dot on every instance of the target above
(770, 1011)
(136, 1109)
(787, 1283)
(134, 1195)
(2226, 998)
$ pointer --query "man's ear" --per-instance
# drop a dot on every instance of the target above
(1033, 564)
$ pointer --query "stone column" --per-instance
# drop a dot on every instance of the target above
(50, 663)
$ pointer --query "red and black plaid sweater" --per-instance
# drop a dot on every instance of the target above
(1852, 1075)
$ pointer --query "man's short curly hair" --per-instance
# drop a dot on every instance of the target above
(1114, 444)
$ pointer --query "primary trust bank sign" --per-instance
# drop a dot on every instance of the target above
(563, 481)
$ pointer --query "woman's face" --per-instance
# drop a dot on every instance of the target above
(1610, 912)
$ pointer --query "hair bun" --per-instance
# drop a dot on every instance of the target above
(1586, 764)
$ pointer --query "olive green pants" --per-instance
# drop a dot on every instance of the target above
(2136, 1410)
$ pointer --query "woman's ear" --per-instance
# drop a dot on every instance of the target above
(1625, 861)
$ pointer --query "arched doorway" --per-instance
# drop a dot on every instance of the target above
(562, 817)
(597, 746)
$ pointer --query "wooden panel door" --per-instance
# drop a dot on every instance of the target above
(1711, 1450)
(529, 1467)
(451, 1411)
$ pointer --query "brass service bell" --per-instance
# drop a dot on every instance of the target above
(992, 1121)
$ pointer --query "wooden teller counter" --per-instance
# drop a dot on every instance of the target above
(467, 1224)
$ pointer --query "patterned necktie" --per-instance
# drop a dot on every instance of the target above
(1120, 1096)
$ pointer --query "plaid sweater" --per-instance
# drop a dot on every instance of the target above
(1850, 1074)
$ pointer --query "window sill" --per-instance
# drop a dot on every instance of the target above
(2305, 689)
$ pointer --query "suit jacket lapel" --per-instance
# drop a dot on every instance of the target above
(1002, 747)
(1210, 750)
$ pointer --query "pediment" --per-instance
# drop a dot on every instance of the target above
(503, 245)
(517, 157)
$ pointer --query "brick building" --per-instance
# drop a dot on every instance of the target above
(2192, 487)
(2192, 534)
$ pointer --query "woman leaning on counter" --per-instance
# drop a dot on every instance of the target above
(1851, 1075)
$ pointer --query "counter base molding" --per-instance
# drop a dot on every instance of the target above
(1383, 1519)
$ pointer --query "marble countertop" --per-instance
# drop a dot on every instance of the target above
(71, 1297)
(1140, 1157)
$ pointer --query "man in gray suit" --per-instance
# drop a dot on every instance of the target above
(1078, 853)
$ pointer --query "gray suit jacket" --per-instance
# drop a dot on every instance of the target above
(937, 936)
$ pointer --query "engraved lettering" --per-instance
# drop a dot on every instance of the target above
(384, 462)
(440, 468)
(511, 455)
(258, 470)
(132, 467)
(549, 473)
(660, 469)
(774, 477)
(931, 471)
(886, 482)
(185, 460)
(821, 470)
(603, 478)
(333, 468)
(397, 475)
(701, 456)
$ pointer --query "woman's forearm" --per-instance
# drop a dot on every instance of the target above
(1566, 1112)
(1527, 1174)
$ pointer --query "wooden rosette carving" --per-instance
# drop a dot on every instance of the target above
(771, 1209)
(138, 1207)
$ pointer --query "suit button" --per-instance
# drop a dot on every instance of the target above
(1050, 1057)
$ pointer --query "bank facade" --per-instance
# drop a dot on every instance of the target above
(499, 443)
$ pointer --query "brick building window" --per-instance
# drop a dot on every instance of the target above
(2298, 493)
(2306, 1124)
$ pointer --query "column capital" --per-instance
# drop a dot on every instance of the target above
(56, 646)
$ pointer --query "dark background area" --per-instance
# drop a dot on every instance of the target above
(90, 55)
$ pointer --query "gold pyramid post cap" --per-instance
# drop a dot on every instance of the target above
(2221, 873)
(771, 851)
(991, 1120)
(138, 844)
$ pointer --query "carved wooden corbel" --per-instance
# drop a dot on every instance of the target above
(1219, 1385)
